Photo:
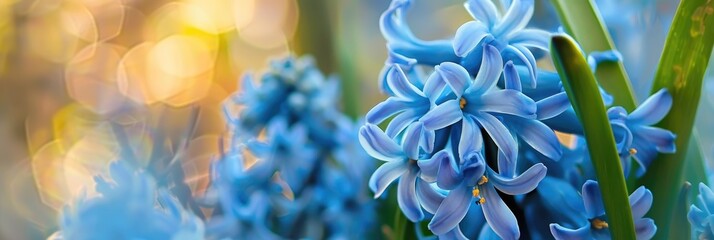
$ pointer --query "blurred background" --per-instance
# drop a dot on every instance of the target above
(72, 72)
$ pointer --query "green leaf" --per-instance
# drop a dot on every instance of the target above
(346, 38)
(681, 70)
(682, 208)
(584, 23)
(584, 95)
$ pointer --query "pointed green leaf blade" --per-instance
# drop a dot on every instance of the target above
(583, 22)
(681, 70)
(584, 95)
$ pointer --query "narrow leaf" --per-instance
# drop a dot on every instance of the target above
(681, 70)
(584, 95)
(583, 22)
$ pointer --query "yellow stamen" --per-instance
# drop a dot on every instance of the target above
(483, 180)
(633, 151)
(599, 224)
(475, 192)
(482, 201)
(462, 103)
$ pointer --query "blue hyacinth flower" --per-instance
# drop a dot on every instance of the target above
(636, 137)
(506, 32)
(701, 214)
(127, 209)
(477, 104)
(408, 103)
(477, 182)
(596, 226)
(401, 163)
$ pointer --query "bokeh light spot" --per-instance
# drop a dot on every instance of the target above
(91, 78)
(133, 74)
(212, 16)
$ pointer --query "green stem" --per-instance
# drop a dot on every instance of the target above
(681, 71)
(580, 85)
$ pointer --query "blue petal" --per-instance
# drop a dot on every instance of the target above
(552, 106)
(525, 56)
(429, 198)
(516, 18)
(640, 202)
(506, 101)
(522, 184)
(406, 195)
(506, 168)
(452, 210)
(455, 75)
(706, 194)
(561, 197)
(500, 135)
(510, 75)
(468, 36)
(385, 110)
(449, 176)
(595, 58)
(645, 228)
(400, 85)
(487, 233)
(561, 233)
(566, 122)
(697, 217)
(385, 175)
(483, 11)
(539, 136)
(592, 199)
(498, 215)
(427, 139)
(454, 234)
(662, 139)
(442, 115)
(378, 144)
(402, 41)
(489, 72)
(401, 122)
(430, 167)
(473, 169)
(410, 142)
(434, 87)
(392, 23)
(531, 62)
(534, 38)
(653, 109)
(470, 140)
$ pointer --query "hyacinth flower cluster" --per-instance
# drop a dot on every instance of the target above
(292, 166)
(129, 206)
(470, 141)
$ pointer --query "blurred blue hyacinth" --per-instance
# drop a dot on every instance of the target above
(129, 206)
(292, 167)
(700, 214)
